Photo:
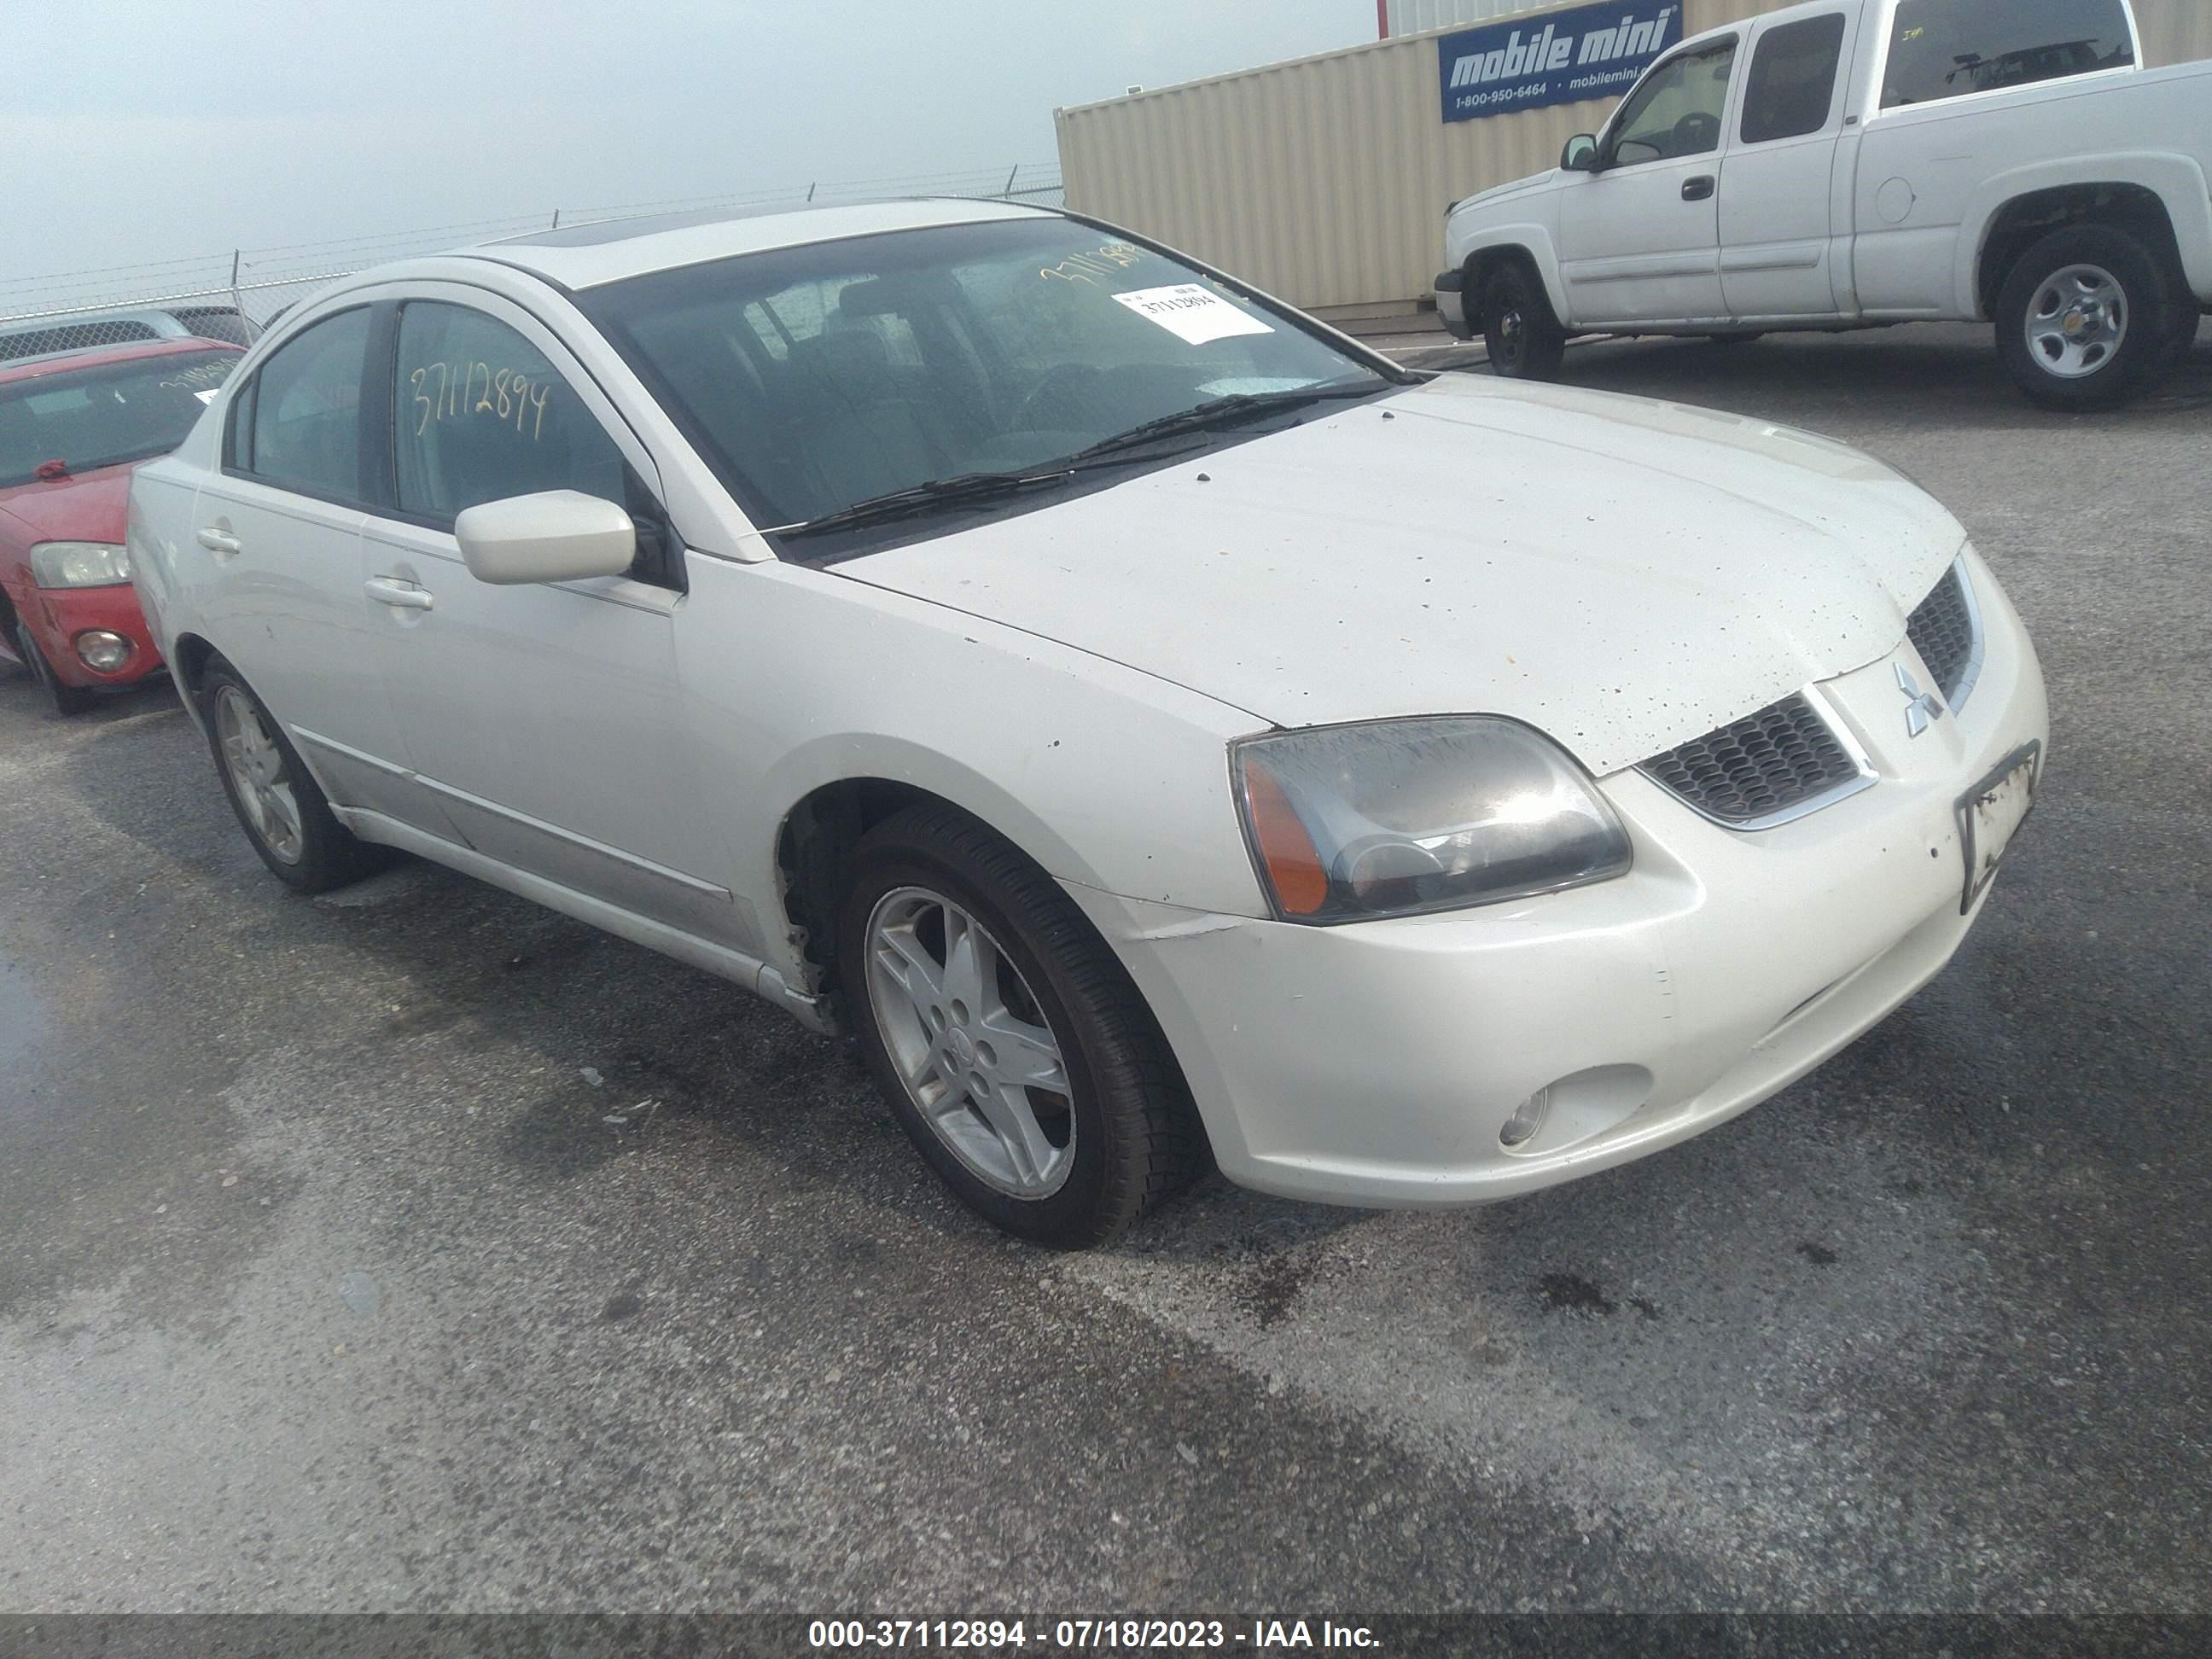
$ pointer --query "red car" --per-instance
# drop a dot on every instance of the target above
(72, 427)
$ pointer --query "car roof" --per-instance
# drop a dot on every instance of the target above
(609, 251)
(62, 362)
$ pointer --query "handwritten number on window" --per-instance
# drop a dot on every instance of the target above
(508, 395)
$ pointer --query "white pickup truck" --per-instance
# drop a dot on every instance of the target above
(1856, 163)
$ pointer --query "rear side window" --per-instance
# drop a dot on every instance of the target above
(1793, 79)
(1947, 48)
(304, 419)
(479, 415)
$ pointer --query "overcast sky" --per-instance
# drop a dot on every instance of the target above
(136, 131)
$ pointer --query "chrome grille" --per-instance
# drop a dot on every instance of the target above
(1945, 632)
(1766, 766)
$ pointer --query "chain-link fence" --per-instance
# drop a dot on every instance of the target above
(233, 296)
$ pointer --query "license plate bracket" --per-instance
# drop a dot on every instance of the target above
(1989, 816)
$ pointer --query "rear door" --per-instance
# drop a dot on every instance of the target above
(544, 718)
(1639, 239)
(280, 526)
(1780, 215)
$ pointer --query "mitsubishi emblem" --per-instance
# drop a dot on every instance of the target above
(1920, 707)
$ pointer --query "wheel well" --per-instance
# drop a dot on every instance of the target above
(2026, 219)
(817, 837)
(1484, 264)
(188, 661)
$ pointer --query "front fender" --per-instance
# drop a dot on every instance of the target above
(1532, 237)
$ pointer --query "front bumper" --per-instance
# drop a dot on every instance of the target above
(58, 614)
(1377, 1064)
(1451, 304)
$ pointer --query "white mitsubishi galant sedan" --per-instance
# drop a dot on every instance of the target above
(1158, 729)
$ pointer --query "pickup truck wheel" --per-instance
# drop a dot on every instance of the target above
(283, 812)
(1524, 338)
(2082, 322)
(1011, 1046)
(68, 699)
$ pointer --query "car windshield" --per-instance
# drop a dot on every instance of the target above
(817, 377)
(104, 415)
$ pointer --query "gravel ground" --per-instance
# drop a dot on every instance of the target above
(331, 1278)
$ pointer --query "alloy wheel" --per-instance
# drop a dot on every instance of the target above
(256, 766)
(2077, 321)
(970, 1043)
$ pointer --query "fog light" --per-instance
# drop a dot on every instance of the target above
(1522, 1127)
(103, 651)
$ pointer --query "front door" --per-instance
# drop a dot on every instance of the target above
(545, 718)
(1639, 238)
(1779, 259)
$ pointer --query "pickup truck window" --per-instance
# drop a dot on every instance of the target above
(1792, 84)
(1676, 110)
(1947, 48)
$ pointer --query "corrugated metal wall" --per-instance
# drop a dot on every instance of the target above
(1325, 179)
(1412, 16)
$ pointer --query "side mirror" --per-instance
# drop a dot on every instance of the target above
(558, 536)
(1580, 155)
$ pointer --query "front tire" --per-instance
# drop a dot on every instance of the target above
(2082, 321)
(1519, 327)
(1012, 1046)
(67, 699)
(283, 810)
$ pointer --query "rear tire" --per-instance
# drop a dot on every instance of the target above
(280, 806)
(67, 699)
(1522, 332)
(970, 975)
(2082, 322)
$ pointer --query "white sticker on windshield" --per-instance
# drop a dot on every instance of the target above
(1192, 312)
(207, 397)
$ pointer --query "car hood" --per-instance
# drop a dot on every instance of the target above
(92, 507)
(1500, 192)
(1622, 574)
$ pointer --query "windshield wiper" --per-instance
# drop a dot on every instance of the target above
(961, 490)
(964, 488)
(1219, 412)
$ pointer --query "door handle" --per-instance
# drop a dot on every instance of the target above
(400, 596)
(1697, 189)
(219, 541)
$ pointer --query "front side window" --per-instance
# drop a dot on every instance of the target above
(106, 416)
(1792, 84)
(479, 415)
(305, 412)
(1677, 111)
(1946, 48)
(818, 377)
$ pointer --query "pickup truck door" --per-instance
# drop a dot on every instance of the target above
(1779, 253)
(1639, 238)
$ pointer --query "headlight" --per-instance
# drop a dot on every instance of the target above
(1398, 818)
(79, 564)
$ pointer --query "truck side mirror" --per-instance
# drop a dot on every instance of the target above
(1580, 155)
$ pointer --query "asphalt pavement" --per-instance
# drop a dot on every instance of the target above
(417, 1249)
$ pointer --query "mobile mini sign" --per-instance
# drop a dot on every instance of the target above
(1592, 52)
